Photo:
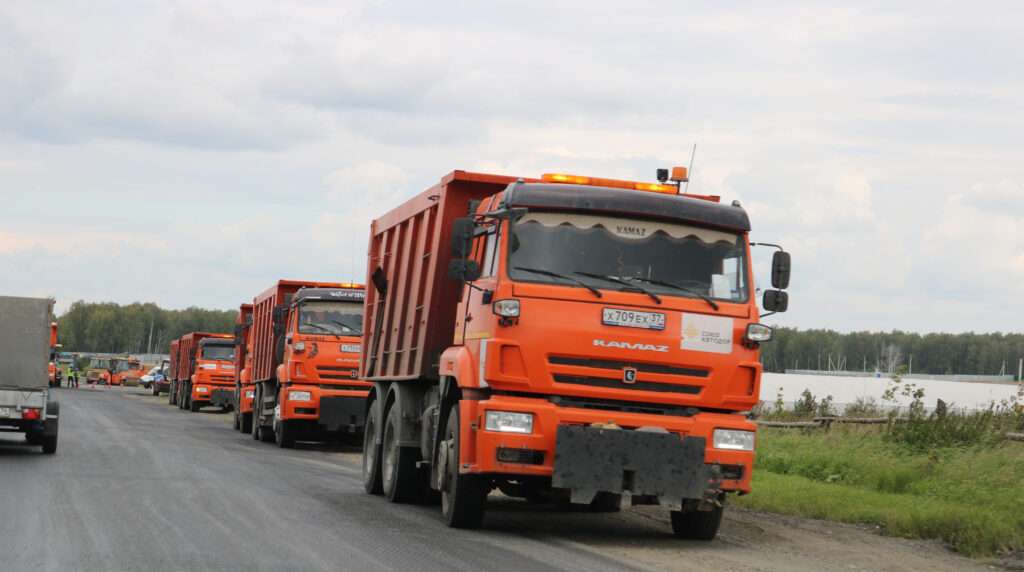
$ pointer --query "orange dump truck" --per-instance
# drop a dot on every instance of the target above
(568, 338)
(244, 391)
(205, 373)
(305, 347)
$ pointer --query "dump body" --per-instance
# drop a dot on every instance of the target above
(406, 331)
(305, 349)
(26, 347)
(24, 342)
(586, 339)
(243, 369)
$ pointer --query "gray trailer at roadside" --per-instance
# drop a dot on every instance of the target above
(27, 404)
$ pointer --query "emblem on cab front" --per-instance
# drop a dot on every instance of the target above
(629, 375)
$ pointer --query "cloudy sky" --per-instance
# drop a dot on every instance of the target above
(191, 153)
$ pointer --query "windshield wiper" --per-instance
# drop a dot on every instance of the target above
(355, 331)
(322, 327)
(623, 282)
(678, 287)
(562, 276)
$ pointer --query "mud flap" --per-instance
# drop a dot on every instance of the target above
(337, 413)
(589, 460)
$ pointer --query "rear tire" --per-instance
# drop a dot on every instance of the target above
(463, 497)
(50, 445)
(398, 464)
(697, 525)
(372, 451)
(172, 396)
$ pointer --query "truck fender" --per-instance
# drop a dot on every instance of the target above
(376, 399)
(458, 363)
(408, 398)
(281, 372)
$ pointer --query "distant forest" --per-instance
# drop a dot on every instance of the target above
(135, 328)
(970, 353)
(146, 328)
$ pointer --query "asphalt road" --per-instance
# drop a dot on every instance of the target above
(140, 485)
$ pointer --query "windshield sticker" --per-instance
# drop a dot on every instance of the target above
(630, 228)
(707, 334)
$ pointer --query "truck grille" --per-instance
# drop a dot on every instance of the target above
(620, 365)
(222, 378)
(612, 374)
(619, 384)
(337, 372)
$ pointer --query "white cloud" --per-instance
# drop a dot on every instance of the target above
(232, 145)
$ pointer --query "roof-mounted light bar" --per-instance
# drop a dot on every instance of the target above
(614, 183)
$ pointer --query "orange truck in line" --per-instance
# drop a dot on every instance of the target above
(569, 339)
(205, 373)
(244, 391)
(54, 372)
(305, 348)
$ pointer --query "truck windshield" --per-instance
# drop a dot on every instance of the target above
(664, 258)
(331, 318)
(219, 352)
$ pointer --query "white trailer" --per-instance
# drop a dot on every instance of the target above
(26, 402)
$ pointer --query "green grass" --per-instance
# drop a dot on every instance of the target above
(972, 498)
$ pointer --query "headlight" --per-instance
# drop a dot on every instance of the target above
(202, 390)
(759, 333)
(509, 422)
(351, 348)
(734, 440)
(209, 366)
(507, 308)
(299, 396)
(250, 394)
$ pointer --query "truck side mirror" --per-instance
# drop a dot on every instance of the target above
(775, 301)
(780, 271)
(463, 270)
(462, 236)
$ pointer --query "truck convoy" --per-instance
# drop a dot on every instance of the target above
(304, 356)
(204, 371)
(570, 338)
(244, 391)
(53, 369)
(26, 403)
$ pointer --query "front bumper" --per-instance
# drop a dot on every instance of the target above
(669, 456)
(213, 394)
(248, 393)
(332, 409)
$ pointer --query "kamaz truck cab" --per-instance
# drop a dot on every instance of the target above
(213, 377)
(314, 390)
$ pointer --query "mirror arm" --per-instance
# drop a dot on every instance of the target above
(768, 244)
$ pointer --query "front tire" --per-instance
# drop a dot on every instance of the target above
(398, 464)
(284, 434)
(697, 525)
(372, 451)
(463, 497)
(246, 423)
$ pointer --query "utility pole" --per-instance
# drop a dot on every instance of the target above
(1020, 370)
(910, 368)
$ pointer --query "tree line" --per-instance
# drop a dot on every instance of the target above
(891, 352)
(134, 328)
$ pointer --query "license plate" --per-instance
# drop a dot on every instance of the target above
(5, 412)
(632, 319)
